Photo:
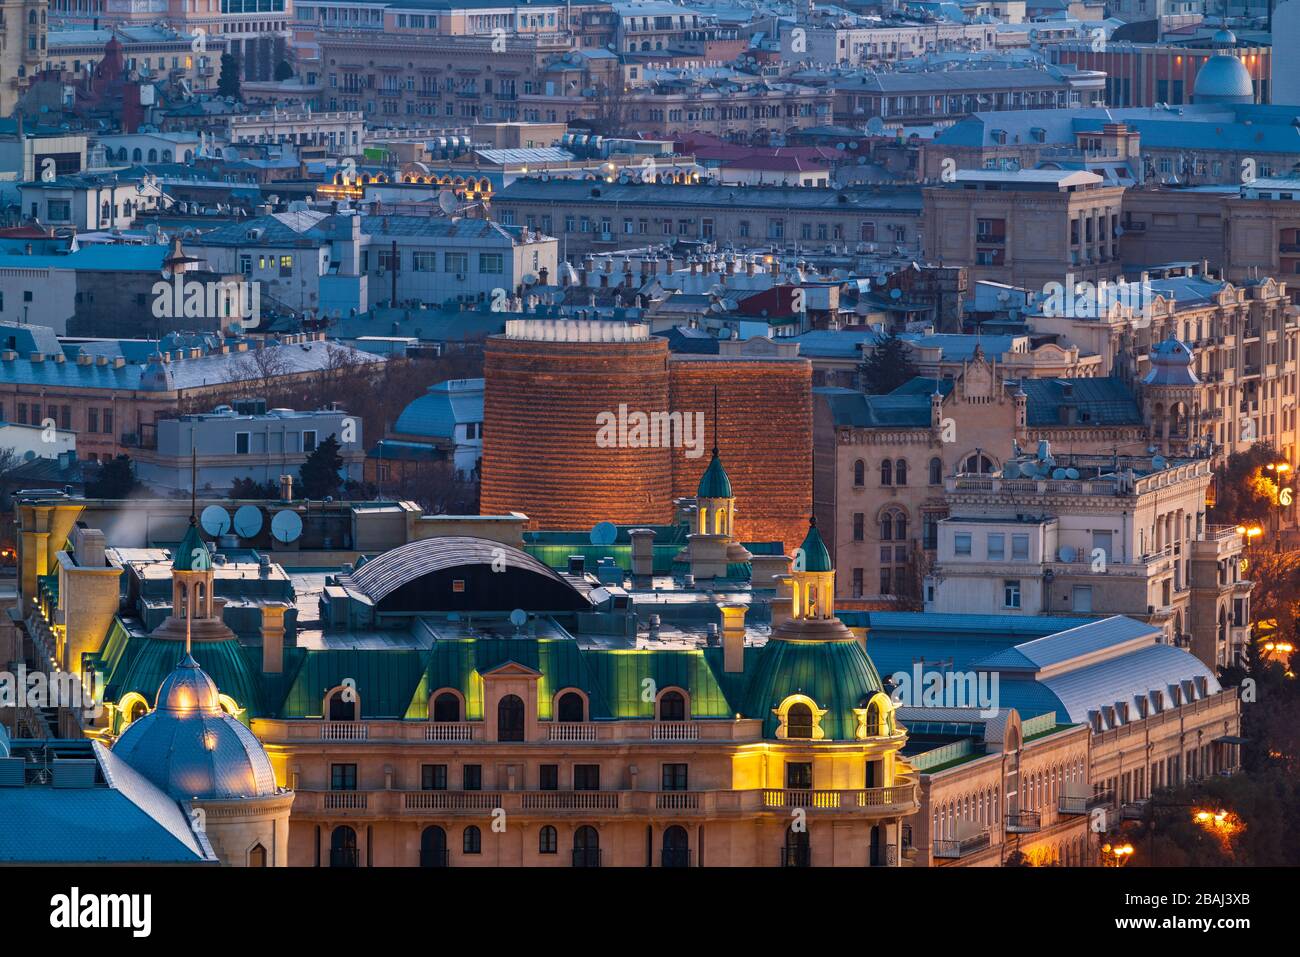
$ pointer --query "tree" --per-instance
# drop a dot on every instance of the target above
(251, 488)
(1243, 491)
(228, 81)
(283, 71)
(116, 479)
(320, 473)
(888, 366)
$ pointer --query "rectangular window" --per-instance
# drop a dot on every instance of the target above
(309, 440)
(456, 262)
(1020, 548)
(241, 443)
(92, 420)
(586, 777)
(549, 777)
(22, 413)
(472, 777)
(433, 777)
(859, 526)
(343, 777)
(961, 544)
(108, 421)
(1082, 599)
(423, 260)
(674, 777)
(798, 774)
(286, 266)
(997, 547)
(491, 263)
(1011, 594)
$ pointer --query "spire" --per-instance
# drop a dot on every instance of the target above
(715, 421)
(194, 480)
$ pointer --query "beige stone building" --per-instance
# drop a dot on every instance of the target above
(23, 31)
(880, 463)
(1028, 227)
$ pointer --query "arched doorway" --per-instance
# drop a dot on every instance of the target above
(570, 707)
(586, 847)
(676, 848)
(797, 851)
(343, 847)
(510, 718)
(257, 856)
(446, 707)
(433, 847)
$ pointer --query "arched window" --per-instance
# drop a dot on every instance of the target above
(571, 707)
(433, 847)
(886, 472)
(343, 706)
(137, 155)
(677, 851)
(859, 473)
(473, 841)
(586, 847)
(886, 526)
(797, 852)
(343, 847)
(978, 463)
(799, 721)
(257, 856)
(936, 471)
(510, 718)
(153, 156)
(446, 707)
(547, 841)
(900, 472)
(672, 706)
(167, 156)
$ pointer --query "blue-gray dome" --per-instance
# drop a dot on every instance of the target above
(190, 748)
(1223, 79)
(1224, 38)
(1171, 364)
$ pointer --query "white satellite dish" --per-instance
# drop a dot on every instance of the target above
(447, 201)
(248, 521)
(604, 533)
(286, 526)
(215, 521)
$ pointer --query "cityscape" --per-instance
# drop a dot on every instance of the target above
(650, 434)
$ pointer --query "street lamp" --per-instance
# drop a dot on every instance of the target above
(1281, 498)
(1116, 855)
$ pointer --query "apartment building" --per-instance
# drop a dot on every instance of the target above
(881, 464)
(1123, 537)
(1027, 227)
(24, 26)
(603, 217)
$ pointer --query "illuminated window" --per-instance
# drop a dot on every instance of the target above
(799, 721)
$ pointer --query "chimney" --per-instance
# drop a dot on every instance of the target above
(273, 637)
(733, 638)
(643, 552)
(286, 488)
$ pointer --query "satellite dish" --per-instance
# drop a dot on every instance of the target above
(895, 294)
(1072, 474)
(519, 618)
(286, 526)
(604, 533)
(875, 126)
(1058, 474)
(447, 201)
(248, 521)
(1067, 553)
(1159, 462)
(1011, 470)
(215, 521)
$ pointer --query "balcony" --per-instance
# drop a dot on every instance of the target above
(571, 731)
(453, 731)
(899, 795)
(675, 731)
(1024, 822)
(344, 731)
(387, 804)
(1083, 804)
(954, 848)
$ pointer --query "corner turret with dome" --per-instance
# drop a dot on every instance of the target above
(190, 748)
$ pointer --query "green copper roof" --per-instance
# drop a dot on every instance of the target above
(816, 558)
(143, 663)
(190, 546)
(715, 483)
(838, 675)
